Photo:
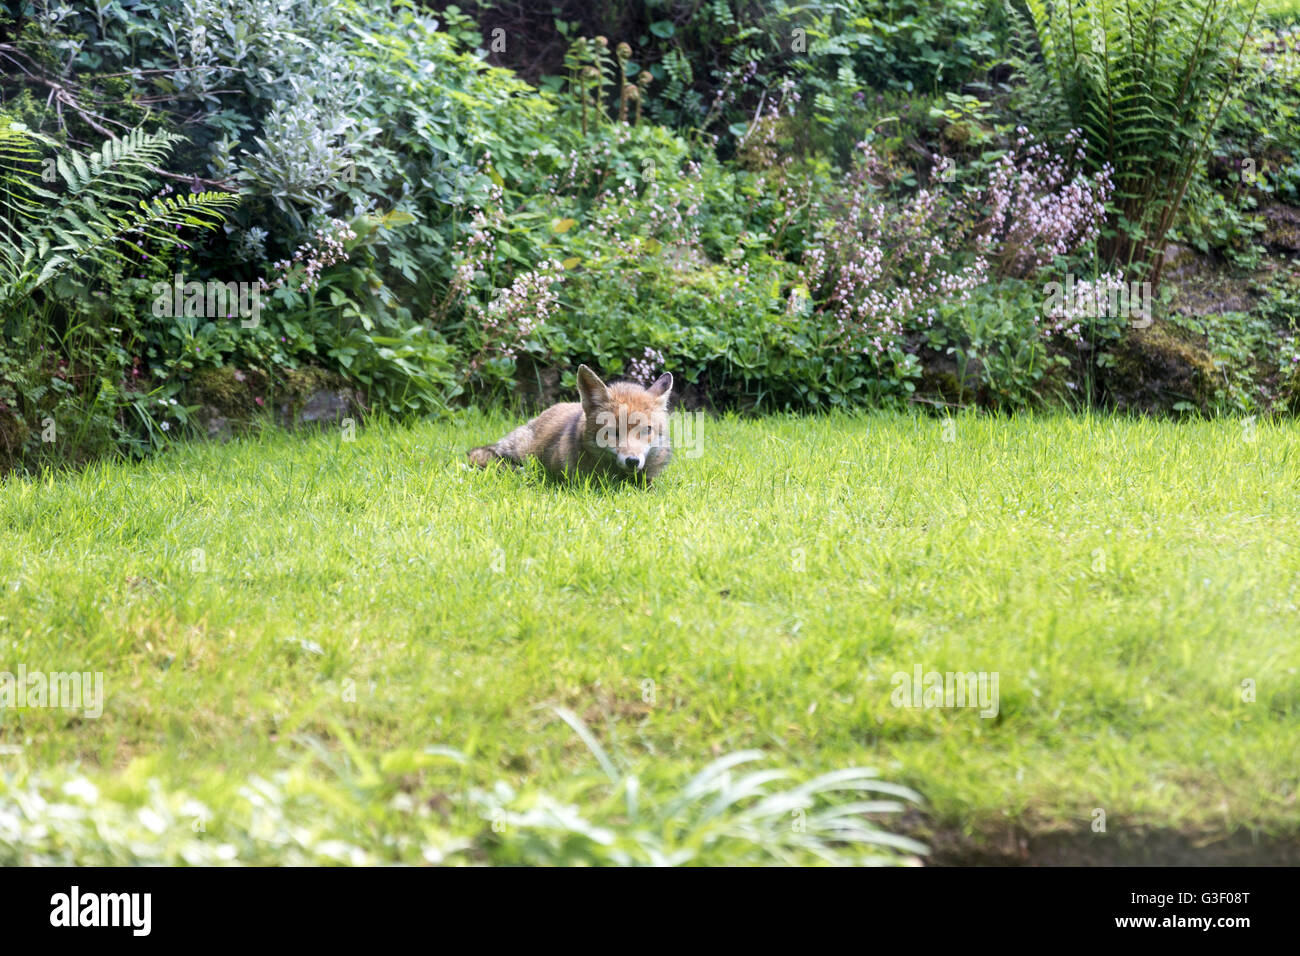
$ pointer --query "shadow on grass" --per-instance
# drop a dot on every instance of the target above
(532, 474)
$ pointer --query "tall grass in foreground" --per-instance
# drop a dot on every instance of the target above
(361, 812)
(720, 815)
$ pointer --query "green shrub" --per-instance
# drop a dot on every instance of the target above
(710, 64)
(357, 110)
(1146, 83)
(62, 367)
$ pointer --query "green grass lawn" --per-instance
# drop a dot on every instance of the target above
(322, 649)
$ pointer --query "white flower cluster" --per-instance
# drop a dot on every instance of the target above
(325, 248)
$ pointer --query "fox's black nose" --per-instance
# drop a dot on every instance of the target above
(631, 462)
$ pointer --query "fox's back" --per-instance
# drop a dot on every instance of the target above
(557, 436)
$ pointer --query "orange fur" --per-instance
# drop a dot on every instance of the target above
(617, 430)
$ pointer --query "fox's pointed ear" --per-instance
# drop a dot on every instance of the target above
(662, 386)
(591, 389)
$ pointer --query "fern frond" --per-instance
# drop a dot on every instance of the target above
(1141, 79)
(85, 242)
(97, 217)
(20, 197)
(116, 169)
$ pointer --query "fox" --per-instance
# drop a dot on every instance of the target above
(617, 431)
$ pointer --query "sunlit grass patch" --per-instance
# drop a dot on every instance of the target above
(385, 635)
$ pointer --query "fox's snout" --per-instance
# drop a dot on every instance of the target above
(631, 462)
